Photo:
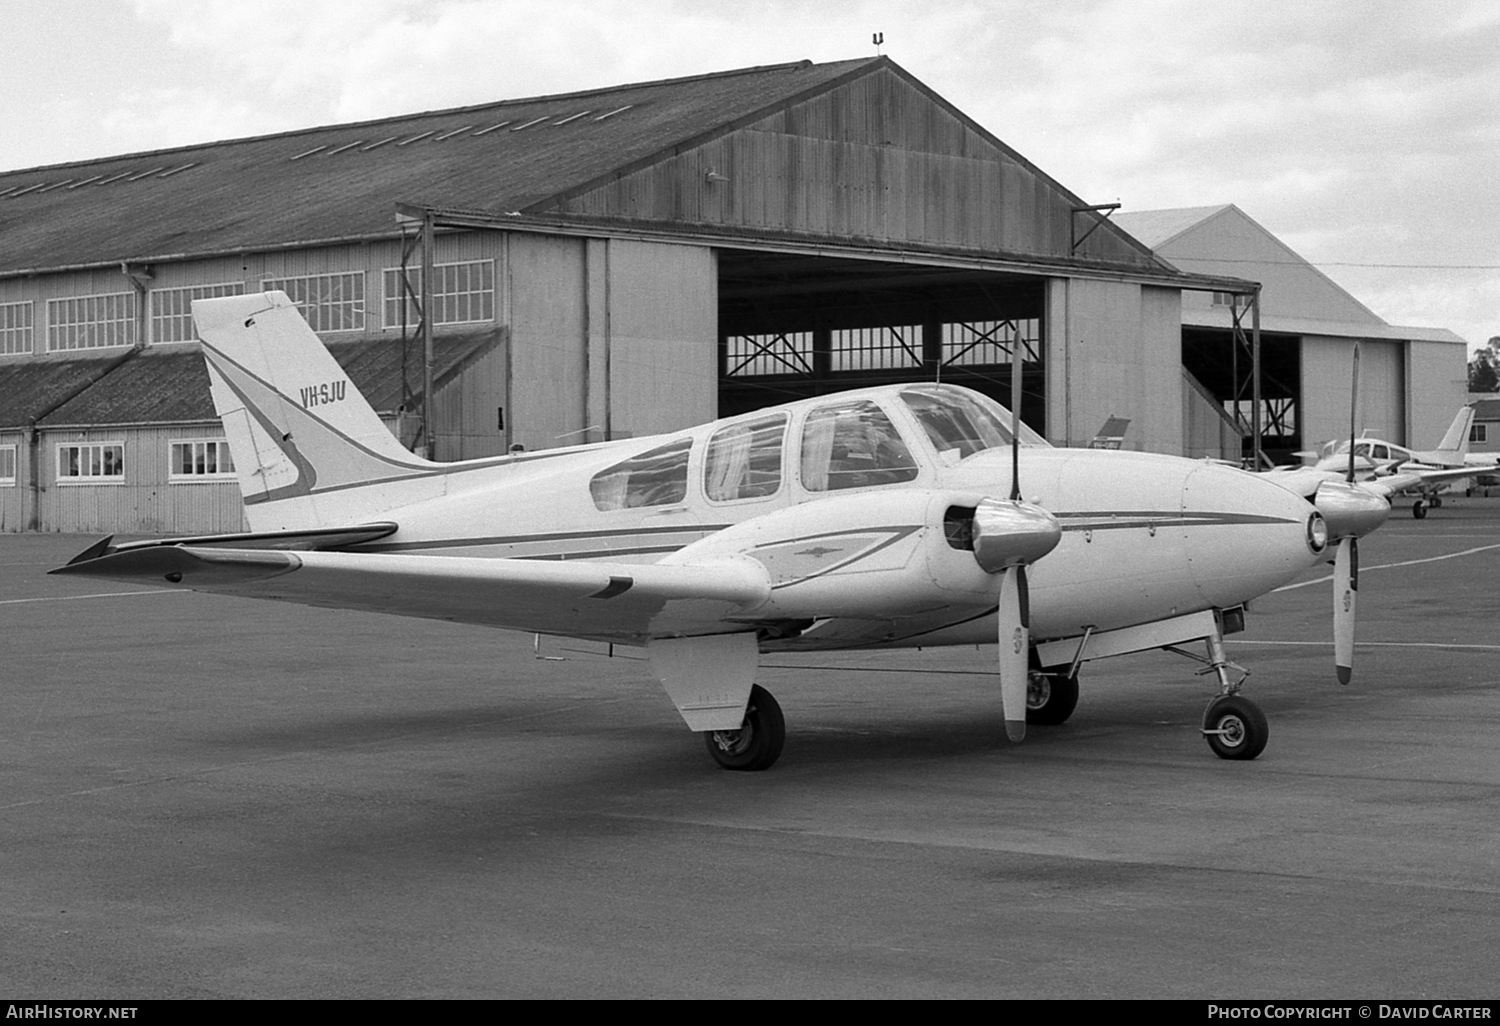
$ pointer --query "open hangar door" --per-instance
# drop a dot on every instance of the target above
(792, 327)
(1226, 368)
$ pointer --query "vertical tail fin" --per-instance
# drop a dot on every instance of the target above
(1457, 438)
(302, 436)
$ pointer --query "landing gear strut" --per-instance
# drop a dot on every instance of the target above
(757, 744)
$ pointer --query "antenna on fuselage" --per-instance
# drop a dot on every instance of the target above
(1353, 412)
(1015, 418)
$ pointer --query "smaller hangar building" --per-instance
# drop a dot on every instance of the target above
(1412, 380)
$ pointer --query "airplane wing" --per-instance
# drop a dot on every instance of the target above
(614, 602)
(1415, 478)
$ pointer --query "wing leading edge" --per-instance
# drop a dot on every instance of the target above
(623, 603)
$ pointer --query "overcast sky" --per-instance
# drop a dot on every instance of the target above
(1363, 133)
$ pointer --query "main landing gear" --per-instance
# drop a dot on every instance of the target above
(757, 744)
(1419, 508)
(1050, 697)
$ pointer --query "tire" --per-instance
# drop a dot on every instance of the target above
(1050, 698)
(1419, 510)
(757, 744)
(1235, 728)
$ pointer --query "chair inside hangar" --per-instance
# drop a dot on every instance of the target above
(793, 327)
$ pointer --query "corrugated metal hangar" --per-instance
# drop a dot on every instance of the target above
(600, 264)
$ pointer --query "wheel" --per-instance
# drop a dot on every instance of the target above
(1436, 502)
(757, 744)
(1418, 510)
(1050, 698)
(1235, 728)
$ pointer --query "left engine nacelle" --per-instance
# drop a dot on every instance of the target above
(863, 555)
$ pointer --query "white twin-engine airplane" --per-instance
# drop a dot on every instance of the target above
(877, 518)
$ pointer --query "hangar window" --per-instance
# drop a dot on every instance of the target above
(983, 343)
(788, 352)
(1239, 299)
(853, 445)
(7, 466)
(15, 328)
(91, 322)
(91, 463)
(655, 478)
(855, 349)
(1479, 433)
(744, 460)
(172, 309)
(200, 460)
(462, 293)
(329, 302)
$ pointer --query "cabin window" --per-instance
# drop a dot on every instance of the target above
(172, 309)
(91, 322)
(200, 460)
(957, 425)
(655, 478)
(15, 328)
(744, 460)
(328, 302)
(853, 445)
(7, 466)
(91, 463)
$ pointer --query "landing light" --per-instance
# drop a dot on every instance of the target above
(1317, 533)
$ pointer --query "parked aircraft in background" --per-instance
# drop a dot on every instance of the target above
(1399, 469)
(902, 516)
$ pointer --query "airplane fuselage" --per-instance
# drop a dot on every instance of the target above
(876, 560)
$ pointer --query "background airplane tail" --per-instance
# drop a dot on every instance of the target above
(306, 444)
(1457, 438)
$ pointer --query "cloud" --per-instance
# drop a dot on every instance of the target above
(1365, 133)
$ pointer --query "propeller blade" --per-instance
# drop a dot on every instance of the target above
(1345, 598)
(1015, 648)
(1353, 412)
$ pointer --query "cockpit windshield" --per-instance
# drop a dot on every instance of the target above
(960, 423)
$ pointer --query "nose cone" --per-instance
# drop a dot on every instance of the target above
(1351, 511)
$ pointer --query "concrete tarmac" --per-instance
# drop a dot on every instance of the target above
(212, 797)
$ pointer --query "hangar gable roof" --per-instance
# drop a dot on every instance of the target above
(1224, 240)
(845, 149)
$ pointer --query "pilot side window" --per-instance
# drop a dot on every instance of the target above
(744, 460)
(655, 478)
(853, 445)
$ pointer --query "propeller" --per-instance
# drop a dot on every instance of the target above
(1349, 511)
(1345, 598)
(1010, 534)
